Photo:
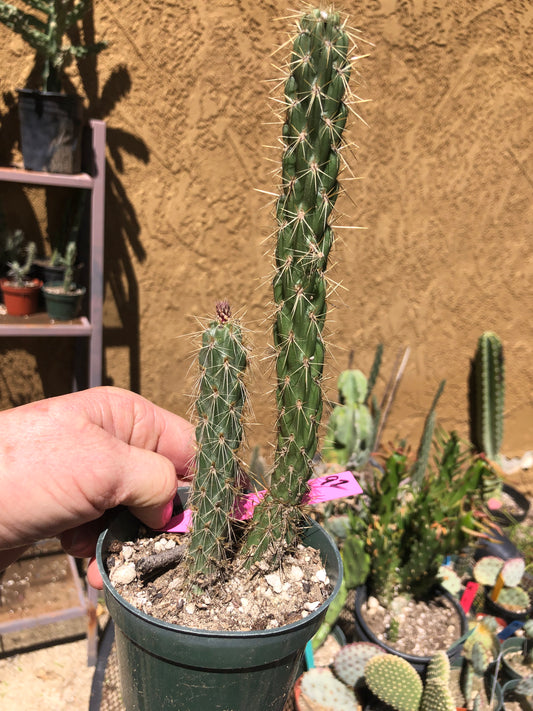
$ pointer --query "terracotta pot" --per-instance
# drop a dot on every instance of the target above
(21, 300)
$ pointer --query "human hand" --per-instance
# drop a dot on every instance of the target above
(67, 460)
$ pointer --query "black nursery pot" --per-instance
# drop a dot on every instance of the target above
(170, 667)
(365, 634)
(50, 131)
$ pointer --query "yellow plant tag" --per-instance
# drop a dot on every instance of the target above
(496, 590)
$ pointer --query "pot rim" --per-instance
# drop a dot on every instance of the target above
(222, 634)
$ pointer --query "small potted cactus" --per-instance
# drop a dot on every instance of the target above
(413, 516)
(51, 120)
(487, 396)
(21, 291)
(504, 596)
(168, 665)
(63, 298)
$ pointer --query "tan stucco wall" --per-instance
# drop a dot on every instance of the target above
(445, 195)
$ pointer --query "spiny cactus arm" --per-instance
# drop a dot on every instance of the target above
(220, 403)
(312, 133)
(489, 383)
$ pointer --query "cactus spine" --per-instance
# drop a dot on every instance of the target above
(220, 402)
(316, 115)
(489, 393)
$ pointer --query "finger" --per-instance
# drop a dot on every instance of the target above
(93, 575)
(10, 556)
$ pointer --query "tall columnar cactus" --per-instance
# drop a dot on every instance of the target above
(220, 402)
(45, 31)
(316, 115)
(489, 393)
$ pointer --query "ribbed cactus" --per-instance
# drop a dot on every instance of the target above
(46, 29)
(316, 114)
(488, 396)
(394, 681)
(220, 402)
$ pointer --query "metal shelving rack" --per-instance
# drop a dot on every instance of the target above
(86, 328)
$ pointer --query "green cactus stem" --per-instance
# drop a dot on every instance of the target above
(220, 403)
(488, 396)
(316, 115)
(45, 30)
(68, 261)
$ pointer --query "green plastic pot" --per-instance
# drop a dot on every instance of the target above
(62, 306)
(170, 667)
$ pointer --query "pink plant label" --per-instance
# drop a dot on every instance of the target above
(324, 488)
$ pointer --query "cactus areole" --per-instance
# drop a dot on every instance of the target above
(316, 115)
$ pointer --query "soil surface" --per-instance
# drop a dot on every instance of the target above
(424, 627)
(244, 600)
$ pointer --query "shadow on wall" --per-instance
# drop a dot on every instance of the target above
(121, 235)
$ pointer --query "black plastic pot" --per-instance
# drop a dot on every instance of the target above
(503, 516)
(365, 633)
(511, 646)
(170, 667)
(496, 610)
(62, 306)
(50, 131)
(498, 544)
(509, 694)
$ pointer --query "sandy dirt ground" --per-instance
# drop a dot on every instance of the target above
(56, 677)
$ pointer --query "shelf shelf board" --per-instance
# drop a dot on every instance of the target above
(40, 324)
(12, 174)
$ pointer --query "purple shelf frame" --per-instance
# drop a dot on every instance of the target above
(90, 328)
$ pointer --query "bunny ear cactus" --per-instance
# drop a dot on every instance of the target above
(322, 691)
(394, 681)
(220, 403)
(45, 30)
(316, 113)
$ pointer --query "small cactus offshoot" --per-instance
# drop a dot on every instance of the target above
(221, 399)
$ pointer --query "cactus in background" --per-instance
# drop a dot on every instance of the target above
(512, 597)
(525, 686)
(68, 262)
(323, 692)
(49, 36)
(352, 426)
(488, 396)
(220, 402)
(19, 272)
(351, 660)
(316, 114)
(394, 681)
